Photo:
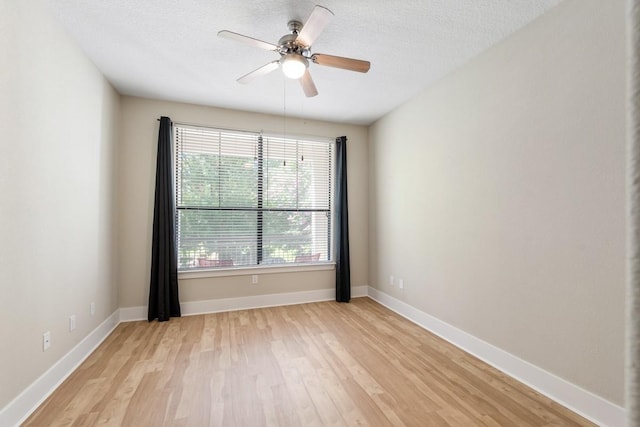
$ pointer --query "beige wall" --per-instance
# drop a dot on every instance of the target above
(498, 196)
(137, 154)
(58, 117)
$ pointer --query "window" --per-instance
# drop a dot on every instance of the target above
(247, 199)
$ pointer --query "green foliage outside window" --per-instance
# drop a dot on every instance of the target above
(218, 198)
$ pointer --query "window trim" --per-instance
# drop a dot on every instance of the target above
(257, 269)
(244, 270)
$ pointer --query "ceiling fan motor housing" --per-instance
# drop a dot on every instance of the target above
(288, 43)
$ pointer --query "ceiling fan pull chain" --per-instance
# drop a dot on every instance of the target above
(255, 147)
(284, 109)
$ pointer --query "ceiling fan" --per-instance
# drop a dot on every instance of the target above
(295, 51)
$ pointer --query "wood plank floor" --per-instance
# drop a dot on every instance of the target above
(320, 364)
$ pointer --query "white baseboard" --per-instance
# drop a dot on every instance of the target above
(190, 308)
(28, 401)
(131, 314)
(584, 403)
(359, 291)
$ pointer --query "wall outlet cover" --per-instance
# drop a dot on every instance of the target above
(46, 341)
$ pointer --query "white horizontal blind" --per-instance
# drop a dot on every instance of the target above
(244, 199)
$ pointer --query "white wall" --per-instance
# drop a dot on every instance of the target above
(58, 117)
(137, 157)
(498, 196)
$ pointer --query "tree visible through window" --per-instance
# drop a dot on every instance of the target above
(244, 199)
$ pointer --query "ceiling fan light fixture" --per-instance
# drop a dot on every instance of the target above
(295, 52)
(294, 65)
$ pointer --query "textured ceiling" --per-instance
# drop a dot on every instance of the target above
(169, 49)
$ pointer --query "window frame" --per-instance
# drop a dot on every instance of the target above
(243, 270)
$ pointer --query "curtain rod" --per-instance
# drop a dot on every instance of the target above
(261, 131)
(198, 125)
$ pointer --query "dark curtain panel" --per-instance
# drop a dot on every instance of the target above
(343, 270)
(163, 292)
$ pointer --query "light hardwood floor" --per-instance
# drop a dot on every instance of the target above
(304, 365)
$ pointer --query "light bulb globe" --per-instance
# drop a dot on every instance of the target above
(294, 65)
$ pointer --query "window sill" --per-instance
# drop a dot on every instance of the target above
(260, 269)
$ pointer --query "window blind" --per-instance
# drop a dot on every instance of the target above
(246, 199)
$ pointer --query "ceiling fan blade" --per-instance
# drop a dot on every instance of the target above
(340, 62)
(247, 40)
(308, 86)
(319, 18)
(265, 69)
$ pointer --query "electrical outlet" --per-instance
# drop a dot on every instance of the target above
(391, 281)
(46, 341)
(92, 308)
(72, 322)
(254, 279)
(401, 283)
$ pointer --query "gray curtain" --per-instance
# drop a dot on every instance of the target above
(163, 291)
(343, 269)
(632, 376)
